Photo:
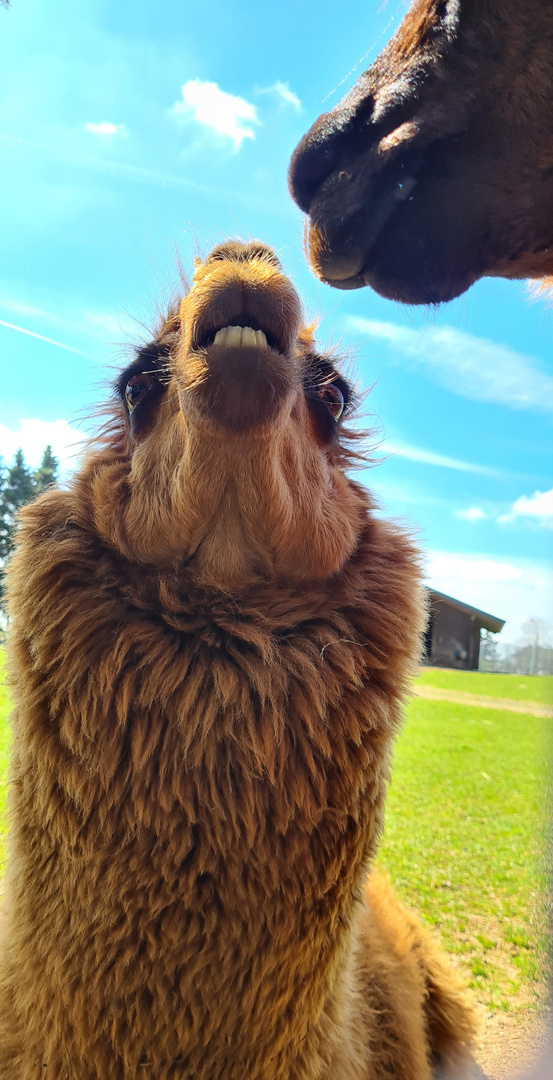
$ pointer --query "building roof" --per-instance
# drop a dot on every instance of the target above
(489, 622)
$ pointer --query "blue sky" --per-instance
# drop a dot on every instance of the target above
(131, 131)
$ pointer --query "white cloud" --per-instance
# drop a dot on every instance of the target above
(224, 115)
(105, 128)
(34, 435)
(470, 366)
(467, 568)
(282, 91)
(473, 513)
(428, 457)
(514, 590)
(538, 506)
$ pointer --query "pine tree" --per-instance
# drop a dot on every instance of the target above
(47, 472)
(17, 490)
(17, 487)
(3, 521)
(489, 653)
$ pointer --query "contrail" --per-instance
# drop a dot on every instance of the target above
(48, 340)
(120, 170)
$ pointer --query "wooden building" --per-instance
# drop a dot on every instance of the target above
(453, 633)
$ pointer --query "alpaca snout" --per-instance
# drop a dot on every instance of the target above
(241, 285)
(239, 352)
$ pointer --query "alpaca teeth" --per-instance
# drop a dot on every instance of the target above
(231, 336)
(248, 336)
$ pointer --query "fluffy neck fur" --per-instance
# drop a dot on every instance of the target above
(267, 492)
(233, 753)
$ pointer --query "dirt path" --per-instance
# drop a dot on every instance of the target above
(460, 697)
(508, 1047)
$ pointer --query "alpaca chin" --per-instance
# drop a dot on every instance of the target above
(239, 388)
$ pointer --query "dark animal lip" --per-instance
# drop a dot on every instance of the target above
(357, 281)
(353, 237)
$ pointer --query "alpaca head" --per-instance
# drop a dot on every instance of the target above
(227, 451)
(436, 167)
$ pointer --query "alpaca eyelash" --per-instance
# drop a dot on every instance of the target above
(334, 379)
(329, 381)
(161, 375)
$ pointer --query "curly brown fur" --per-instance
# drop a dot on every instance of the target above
(211, 639)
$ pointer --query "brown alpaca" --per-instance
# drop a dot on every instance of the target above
(211, 639)
(437, 167)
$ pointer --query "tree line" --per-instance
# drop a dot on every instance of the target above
(18, 485)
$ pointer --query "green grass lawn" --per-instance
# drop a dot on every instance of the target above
(465, 822)
(464, 839)
(537, 688)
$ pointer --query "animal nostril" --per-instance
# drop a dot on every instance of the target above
(332, 138)
(239, 251)
(314, 158)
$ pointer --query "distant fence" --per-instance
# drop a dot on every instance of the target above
(515, 659)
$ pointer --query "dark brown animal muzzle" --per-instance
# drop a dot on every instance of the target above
(351, 185)
(368, 173)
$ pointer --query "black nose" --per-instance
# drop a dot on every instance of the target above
(239, 251)
(335, 137)
(315, 157)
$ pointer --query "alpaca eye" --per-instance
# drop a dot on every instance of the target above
(333, 399)
(137, 388)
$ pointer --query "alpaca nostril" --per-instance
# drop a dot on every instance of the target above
(346, 129)
(315, 157)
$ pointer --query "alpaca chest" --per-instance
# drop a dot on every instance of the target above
(261, 750)
(212, 829)
(161, 708)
